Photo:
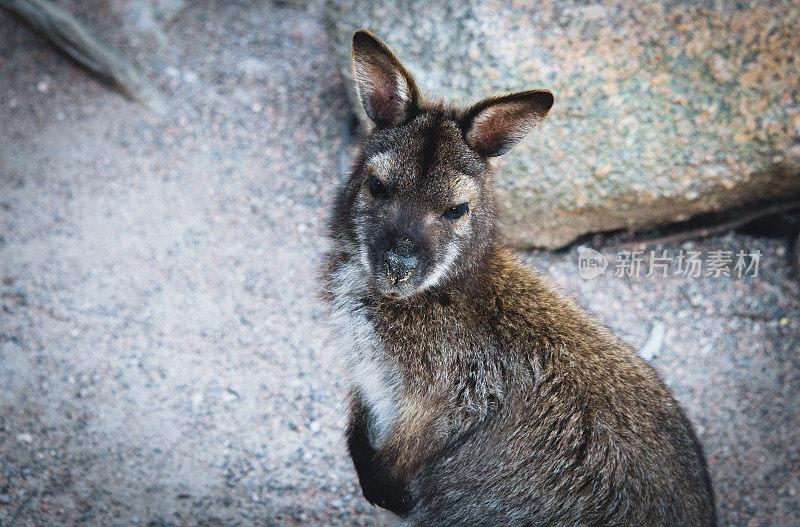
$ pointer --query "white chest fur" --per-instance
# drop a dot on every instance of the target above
(371, 372)
(376, 382)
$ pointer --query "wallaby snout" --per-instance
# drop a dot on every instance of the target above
(398, 267)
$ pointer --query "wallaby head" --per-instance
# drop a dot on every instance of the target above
(419, 207)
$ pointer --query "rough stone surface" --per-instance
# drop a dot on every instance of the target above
(663, 109)
(163, 359)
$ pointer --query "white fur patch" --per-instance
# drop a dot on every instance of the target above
(403, 90)
(371, 372)
(441, 270)
(376, 382)
(463, 188)
(382, 164)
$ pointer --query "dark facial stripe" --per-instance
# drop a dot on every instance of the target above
(430, 143)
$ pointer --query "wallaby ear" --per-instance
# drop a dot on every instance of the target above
(497, 124)
(386, 89)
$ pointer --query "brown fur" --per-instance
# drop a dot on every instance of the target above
(511, 405)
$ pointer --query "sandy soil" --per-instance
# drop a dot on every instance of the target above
(163, 357)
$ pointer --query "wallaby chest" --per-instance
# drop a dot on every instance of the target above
(376, 381)
(373, 375)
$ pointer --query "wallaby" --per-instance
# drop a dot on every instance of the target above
(481, 395)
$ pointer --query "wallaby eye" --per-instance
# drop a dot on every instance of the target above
(377, 189)
(453, 213)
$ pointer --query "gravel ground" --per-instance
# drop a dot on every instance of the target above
(163, 358)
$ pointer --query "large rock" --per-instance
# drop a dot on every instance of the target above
(663, 110)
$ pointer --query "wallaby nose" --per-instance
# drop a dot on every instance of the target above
(398, 267)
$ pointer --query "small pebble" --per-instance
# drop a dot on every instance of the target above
(652, 347)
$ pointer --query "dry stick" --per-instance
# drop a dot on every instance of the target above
(709, 231)
(63, 30)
